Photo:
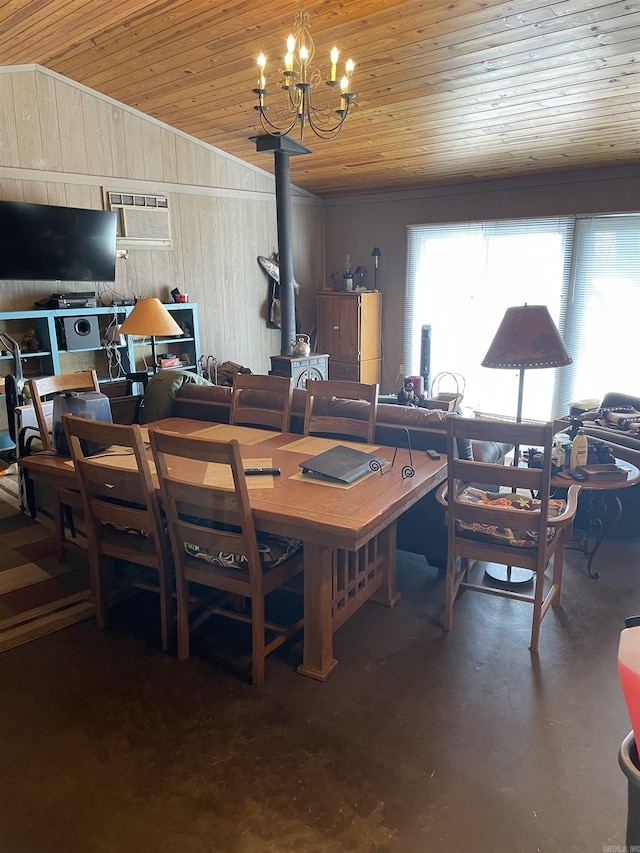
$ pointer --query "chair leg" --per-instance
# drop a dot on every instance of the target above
(452, 583)
(30, 494)
(166, 610)
(59, 512)
(63, 519)
(100, 585)
(182, 599)
(558, 564)
(257, 641)
(537, 612)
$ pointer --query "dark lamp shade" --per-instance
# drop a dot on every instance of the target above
(527, 338)
(149, 317)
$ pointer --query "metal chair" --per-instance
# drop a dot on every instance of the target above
(13, 392)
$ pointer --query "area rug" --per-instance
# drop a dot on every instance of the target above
(38, 594)
(9, 478)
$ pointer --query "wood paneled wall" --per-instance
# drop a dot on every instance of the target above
(354, 226)
(61, 143)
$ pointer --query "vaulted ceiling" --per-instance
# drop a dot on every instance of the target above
(447, 92)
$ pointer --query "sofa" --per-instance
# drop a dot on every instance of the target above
(421, 529)
(616, 422)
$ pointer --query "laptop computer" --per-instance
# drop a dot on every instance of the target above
(341, 464)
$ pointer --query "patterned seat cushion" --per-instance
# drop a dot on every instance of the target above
(273, 551)
(518, 538)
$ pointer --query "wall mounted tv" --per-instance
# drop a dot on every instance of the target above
(42, 242)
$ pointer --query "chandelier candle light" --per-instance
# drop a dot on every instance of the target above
(299, 80)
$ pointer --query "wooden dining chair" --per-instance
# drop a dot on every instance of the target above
(48, 386)
(215, 544)
(341, 408)
(65, 501)
(261, 400)
(122, 516)
(510, 519)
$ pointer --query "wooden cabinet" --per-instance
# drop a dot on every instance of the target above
(350, 331)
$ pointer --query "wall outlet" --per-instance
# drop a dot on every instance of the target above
(401, 370)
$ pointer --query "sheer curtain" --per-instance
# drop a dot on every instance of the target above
(461, 278)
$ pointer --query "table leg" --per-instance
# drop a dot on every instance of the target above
(317, 657)
(603, 510)
(387, 595)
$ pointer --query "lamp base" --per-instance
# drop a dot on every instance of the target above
(510, 575)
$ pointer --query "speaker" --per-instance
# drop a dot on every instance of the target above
(80, 333)
(425, 358)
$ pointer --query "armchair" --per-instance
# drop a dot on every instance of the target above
(505, 525)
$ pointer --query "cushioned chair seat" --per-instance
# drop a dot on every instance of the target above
(273, 550)
(519, 537)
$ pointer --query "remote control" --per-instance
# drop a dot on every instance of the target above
(432, 454)
(251, 471)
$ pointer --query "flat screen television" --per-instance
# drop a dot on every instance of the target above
(42, 242)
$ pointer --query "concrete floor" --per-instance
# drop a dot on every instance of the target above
(418, 742)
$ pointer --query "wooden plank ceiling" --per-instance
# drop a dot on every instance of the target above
(448, 92)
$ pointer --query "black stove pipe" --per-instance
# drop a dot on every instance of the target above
(283, 147)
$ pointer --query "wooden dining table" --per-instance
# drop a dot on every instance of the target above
(348, 531)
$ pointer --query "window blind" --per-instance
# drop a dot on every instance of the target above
(461, 278)
(600, 326)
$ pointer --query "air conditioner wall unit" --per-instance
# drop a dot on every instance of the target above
(143, 220)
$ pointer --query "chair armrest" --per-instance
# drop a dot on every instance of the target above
(558, 521)
(570, 509)
(441, 494)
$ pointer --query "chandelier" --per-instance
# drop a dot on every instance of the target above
(300, 82)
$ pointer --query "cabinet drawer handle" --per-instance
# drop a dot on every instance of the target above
(336, 328)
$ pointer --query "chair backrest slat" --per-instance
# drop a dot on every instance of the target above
(509, 480)
(261, 400)
(119, 495)
(107, 486)
(214, 516)
(45, 386)
(341, 408)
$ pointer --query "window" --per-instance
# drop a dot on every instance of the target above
(462, 277)
(600, 329)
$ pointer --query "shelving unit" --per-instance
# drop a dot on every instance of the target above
(52, 353)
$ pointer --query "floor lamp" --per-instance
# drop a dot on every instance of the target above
(527, 339)
(150, 318)
(376, 255)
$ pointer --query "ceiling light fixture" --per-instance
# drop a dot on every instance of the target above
(300, 83)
